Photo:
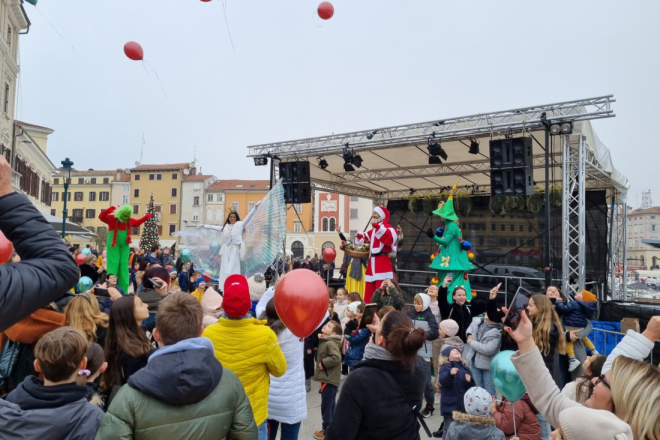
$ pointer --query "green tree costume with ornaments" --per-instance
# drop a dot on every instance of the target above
(451, 257)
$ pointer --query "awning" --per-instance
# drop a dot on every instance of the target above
(651, 242)
(71, 228)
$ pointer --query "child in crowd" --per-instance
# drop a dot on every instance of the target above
(55, 407)
(423, 318)
(484, 338)
(328, 371)
(96, 366)
(341, 303)
(449, 334)
(432, 292)
(357, 338)
(455, 379)
(332, 293)
(575, 316)
(200, 289)
(332, 314)
(519, 418)
(354, 296)
(475, 422)
(581, 388)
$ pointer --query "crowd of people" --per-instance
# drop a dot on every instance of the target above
(176, 357)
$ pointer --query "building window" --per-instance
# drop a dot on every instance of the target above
(136, 209)
(81, 181)
(174, 192)
(175, 176)
(654, 228)
(136, 192)
(135, 230)
(209, 214)
(159, 228)
(6, 98)
(251, 206)
(172, 208)
(93, 180)
(55, 197)
(78, 196)
(234, 206)
(53, 212)
(172, 228)
(513, 227)
(503, 227)
(502, 241)
(68, 196)
(521, 227)
(218, 215)
(104, 196)
(522, 242)
(77, 216)
(106, 180)
(324, 224)
(195, 216)
(159, 176)
(137, 177)
(92, 196)
(493, 227)
(297, 227)
(298, 249)
(219, 198)
(124, 199)
(196, 201)
(209, 197)
(481, 241)
(328, 244)
(152, 176)
(56, 181)
(332, 223)
(9, 35)
(354, 199)
(354, 213)
(298, 208)
(530, 243)
(512, 242)
(127, 188)
(90, 213)
(529, 228)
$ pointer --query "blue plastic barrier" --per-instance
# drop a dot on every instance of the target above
(605, 342)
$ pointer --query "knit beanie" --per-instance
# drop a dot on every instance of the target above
(446, 350)
(353, 307)
(588, 296)
(450, 327)
(602, 425)
(477, 402)
(257, 285)
(236, 301)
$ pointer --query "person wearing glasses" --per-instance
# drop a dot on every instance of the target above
(624, 401)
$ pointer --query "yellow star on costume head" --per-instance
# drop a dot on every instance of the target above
(445, 261)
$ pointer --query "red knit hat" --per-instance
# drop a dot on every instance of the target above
(236, 301)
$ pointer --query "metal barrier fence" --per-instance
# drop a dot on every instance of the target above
(620, 336)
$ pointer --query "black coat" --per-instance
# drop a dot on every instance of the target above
(461, 314)
(90, 271)
(370, 408)
(46, 269)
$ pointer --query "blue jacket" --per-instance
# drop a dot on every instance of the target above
(575, 313)
(183, 281)
(356, 343)
(426, 321)
(453, 387)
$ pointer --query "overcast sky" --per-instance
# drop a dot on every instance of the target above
(292, 75)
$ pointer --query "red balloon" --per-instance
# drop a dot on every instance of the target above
(326, 10)
(80, 259)
(134, 51)
(301, 301)
(206, 1)
(329, 254)
(6, 248)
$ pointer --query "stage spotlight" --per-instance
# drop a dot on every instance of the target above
(566, 128)
(348, 160)
(474, 147)
(555, 129)
(322, 162)
(357, 160)
(371, 135)
(433, 147)
(261, 161)
(442, 153)
(434, 160)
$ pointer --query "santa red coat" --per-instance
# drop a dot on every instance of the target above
(382, 241)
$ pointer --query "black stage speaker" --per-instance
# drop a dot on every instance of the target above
(511, 167)
(294, 171)
(296, 182)
(513, 152)
(512, 182)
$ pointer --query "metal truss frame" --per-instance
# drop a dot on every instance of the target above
(618, 248)
(466, 127)
(573, 214)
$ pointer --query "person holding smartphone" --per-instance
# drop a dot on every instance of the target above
(460, 310)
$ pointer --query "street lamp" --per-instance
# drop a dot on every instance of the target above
(66, 175)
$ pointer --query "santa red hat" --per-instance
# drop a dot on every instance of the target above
(236, 301)
(383, 213)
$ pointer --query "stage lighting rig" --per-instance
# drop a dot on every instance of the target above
(261, 161)
(370, 136)
(560, 127)
(348, 159)
(322, 162)
(474, 147)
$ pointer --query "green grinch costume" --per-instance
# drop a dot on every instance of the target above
(451, 257)
(118, 250)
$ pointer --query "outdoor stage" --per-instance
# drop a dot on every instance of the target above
(586, 221)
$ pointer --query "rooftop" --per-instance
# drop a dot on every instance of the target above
(163, 167)
(124, 178)
(27, 124)
(652, 210)
(197, 177)
(241, 185)
(90, 172)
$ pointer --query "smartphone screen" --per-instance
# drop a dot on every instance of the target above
(368, 315)
(516, 308)
(155, 283)
(99, 291)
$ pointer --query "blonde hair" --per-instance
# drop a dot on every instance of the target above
(83, 313)
(543, 324)
(635, 395)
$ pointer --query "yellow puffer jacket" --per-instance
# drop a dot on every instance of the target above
(249, 349)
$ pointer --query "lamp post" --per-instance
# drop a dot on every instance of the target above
(66, 175)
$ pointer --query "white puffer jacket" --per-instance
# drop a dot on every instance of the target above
(287, 398)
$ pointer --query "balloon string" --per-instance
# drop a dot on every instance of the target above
(514, 415)
(158, 78)
(224, 11)
(54, 28)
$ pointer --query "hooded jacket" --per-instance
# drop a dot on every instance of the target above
(575, 313)
(486, 340)
(467, 427)
(183, 392)
(357, 341)
(46, 269)
(526, 425)
(212, 307)
(287, 397)
(251, 350)
(454, 386)
(425, 320)
(388, 416)
(329, 355)
(35, 411)
(461, 314)
(393, 298)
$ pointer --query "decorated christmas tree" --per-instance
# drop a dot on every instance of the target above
(149, 236)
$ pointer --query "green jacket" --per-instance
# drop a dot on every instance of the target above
(225, 414)
(329, 355)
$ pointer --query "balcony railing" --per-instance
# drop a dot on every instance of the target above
(77, 220)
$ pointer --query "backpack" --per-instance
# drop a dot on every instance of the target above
(16, 363)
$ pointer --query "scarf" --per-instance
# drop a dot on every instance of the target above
(356, 269)
(373, 351)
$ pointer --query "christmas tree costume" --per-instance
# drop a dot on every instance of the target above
(451, 256)
(119, 240)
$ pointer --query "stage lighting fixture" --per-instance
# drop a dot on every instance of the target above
(474, 147)
(322, 162)
(357, 160)
(348, 160)
(566, 128)
(442, 153)
(555, 129)
(371, 135)
(434, 160)
(434, 147)
(260, 161)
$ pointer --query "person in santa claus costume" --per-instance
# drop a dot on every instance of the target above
(382, 239)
